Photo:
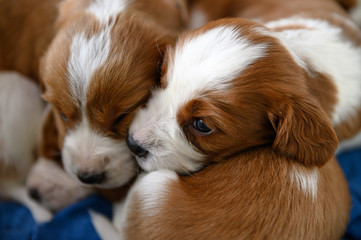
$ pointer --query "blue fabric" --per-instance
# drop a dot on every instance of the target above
(73, 223)
(351, 164)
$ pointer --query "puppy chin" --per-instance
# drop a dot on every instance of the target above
(119, 176)
(183, 164)
(145, 164)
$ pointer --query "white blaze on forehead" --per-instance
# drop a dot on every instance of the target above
(210, 61)
(105, 9)
(88, 54)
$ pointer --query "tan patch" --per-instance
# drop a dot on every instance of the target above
(327, 10)
(26, 31)
(292, 27)
(170, 14)
(214, 9)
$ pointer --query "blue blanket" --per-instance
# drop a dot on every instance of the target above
(73, 223)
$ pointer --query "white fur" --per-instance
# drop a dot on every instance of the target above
(87, 55)
(306, 180)
(104, 227)
(103, 10)
(150, 189)
(198, 66)
(20, 120)
(85, 150)
(56, 189)
(324, 48)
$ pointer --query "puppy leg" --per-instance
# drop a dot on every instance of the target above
(18, 192)
(53, 187)
(104, 227)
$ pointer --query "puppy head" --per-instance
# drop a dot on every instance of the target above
(97, 72)
(227, 87)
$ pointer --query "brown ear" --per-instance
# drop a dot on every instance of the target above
(49, 145)
(304, 132)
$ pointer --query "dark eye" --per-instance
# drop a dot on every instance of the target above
(65, 119)
(201, 126)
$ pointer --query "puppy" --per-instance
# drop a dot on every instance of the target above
(251, 111)
(49, 184)
(172, 132)
(97, 72)
(26, 30)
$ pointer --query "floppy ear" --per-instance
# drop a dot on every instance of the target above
(49, 142)
(303, 132)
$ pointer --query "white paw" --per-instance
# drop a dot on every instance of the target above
(41, 214)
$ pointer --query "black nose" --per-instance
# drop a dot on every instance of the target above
(34, 194)
(91, 178)
(136, 148)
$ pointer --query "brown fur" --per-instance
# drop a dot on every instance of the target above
(50, 150)
(268, 132)
(119, 87)
(250, 197)
(266, 111)
(27, 28)
(268, 10)
(148, 41)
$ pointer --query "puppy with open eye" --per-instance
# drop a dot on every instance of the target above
(251, 111)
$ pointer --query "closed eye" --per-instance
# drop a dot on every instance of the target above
(64, 117)
(124, 114)
(118, 120)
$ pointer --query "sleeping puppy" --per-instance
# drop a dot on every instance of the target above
(250, 110)
(97, 72)
(49, 184)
